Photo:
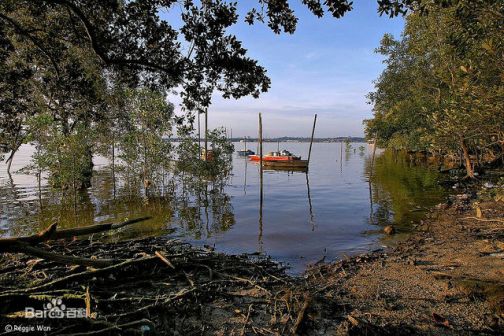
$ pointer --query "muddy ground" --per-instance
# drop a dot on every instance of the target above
(446, 279)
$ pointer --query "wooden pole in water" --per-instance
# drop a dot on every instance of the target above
(311, 141)
(260, 146)
(199, 134)
(206, 134)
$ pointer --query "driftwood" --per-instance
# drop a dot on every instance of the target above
(22, 247)
(51, 233)
(76, 277)
(26, 244)
(230, 294)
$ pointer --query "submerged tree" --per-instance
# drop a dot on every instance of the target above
(141, 128)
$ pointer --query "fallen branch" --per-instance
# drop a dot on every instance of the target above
(22, 247)
(82, 275)
(69, 233)
(51, 233)
(301, 315)
(32, 240)
(163, 259)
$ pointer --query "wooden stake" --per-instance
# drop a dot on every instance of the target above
(311, 141)
(206, 134)
(260, 145)
(199, 134)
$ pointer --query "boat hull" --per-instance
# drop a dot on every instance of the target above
(274, 158)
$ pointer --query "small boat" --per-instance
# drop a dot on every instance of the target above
(209, 155)
(247, 152)
(283, 156)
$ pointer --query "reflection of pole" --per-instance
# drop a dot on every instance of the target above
(260, 147)
(206, 210)
(370, 202)
(312, 221)
(245, 182)
(39, 187)
(372, 159)
(260, 236)
(341, 155)
(261, 184)
(311, 141)
(371, 170)
(113, 165)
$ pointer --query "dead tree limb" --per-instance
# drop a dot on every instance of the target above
(51, 233)
(26, 248)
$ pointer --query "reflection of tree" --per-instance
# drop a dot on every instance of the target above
(203, 207)
(196, 202)
(400, 189)
(12, 208)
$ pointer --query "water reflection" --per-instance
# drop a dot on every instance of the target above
(399, 190)
(296, 217)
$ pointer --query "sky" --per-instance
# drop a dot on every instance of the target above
(326, 67)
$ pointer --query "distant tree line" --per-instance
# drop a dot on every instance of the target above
(442, 90)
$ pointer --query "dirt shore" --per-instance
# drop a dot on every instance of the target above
(446, 279)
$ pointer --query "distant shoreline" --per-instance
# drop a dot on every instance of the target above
(291, 139)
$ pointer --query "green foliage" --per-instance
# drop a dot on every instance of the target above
(442, 89)
(190, 158)
(66, 157)
(348, 146)
(137, 130)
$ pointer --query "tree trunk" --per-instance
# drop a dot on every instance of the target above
(87, 173)
(467, 159)
(11, 157)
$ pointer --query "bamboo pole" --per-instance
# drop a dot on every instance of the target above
(311, 140)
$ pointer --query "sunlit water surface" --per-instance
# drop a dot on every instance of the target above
(332, 211)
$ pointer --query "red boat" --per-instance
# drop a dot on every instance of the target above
(276, 156)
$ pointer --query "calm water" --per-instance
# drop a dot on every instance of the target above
(332, 211)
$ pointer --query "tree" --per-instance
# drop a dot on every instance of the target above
(442, 90)
(133, 41)
(147, 118)
(75, 50)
